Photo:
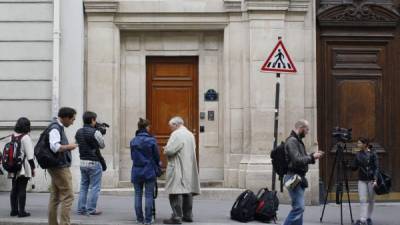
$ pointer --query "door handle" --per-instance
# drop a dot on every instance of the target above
(194, 131)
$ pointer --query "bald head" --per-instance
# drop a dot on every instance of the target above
(301, 128)
(301, 124)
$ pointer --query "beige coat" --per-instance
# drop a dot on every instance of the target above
(182, 174)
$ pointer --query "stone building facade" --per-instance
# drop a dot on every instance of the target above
(231, 39)
(226, 42)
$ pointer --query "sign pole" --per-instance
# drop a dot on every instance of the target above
(276, 122)
(278, 61)
(277, 91)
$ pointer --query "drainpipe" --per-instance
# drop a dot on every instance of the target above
(56, 59)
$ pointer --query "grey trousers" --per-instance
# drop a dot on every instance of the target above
(367, 199)
(181, 205)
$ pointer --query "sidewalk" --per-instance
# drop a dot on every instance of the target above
(118, 210)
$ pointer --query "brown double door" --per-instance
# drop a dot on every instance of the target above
(357, 89)
(172, 90)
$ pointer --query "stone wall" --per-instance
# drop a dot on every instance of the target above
(249, 31)
(26, 70)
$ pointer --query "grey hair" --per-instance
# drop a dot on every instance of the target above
(177, 120)
(301, 123)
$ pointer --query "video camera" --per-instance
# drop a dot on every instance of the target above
(342, 134)
(102, 127)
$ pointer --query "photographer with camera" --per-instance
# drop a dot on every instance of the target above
(298, 161)
(90, 140)
(366, 162)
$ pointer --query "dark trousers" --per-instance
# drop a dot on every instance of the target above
(18, 194)
(181, 205)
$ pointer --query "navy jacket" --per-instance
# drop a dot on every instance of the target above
(366, 162)
(145, 157)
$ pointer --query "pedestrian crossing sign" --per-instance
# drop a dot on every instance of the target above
(279, 61)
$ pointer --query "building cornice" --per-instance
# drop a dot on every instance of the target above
(277, 5)
(112, 6)
(101, 6)
(233, 5)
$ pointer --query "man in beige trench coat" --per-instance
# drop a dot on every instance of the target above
(182, 178)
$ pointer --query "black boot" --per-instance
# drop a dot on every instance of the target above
(14, 202)
(172, 220)
(21, 204)
(24, 214)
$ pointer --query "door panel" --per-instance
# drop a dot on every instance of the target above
(357, 80)
(350, 96)
(172, 90)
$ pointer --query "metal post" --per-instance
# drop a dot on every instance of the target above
(277, 91)
(276, 119)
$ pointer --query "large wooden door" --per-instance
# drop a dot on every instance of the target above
(172, 90)
(357, 79)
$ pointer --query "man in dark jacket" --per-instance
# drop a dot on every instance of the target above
(61, 178)
(298, 161)
(90, 141)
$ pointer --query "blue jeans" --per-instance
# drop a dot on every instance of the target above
(149, 190)
(90, 181)
(295, 216)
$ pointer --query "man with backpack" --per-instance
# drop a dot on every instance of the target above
(298, 161)
(61, 178)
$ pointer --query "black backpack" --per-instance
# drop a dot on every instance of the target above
(267, 205)
(44, 155)
(12, 157)
(244, 208)
(280, 161)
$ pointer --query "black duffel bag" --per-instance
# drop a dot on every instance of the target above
(383, 184)
(244, 208)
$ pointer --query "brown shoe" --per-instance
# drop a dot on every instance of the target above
(96, 213)
(172, 221)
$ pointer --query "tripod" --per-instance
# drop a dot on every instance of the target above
(155, 195)
(341, 176)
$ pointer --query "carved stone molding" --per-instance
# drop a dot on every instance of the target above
(233, 5)
(358, 13)
(101, 6)
(277, 5)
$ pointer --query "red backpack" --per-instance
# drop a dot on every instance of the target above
(12, 158)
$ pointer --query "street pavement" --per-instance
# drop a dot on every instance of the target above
(119, 210)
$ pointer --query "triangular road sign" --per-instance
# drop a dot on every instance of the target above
(279, 61)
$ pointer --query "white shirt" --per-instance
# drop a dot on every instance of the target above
(55, 138)
(99, 138)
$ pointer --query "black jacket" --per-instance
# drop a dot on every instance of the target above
(88, 145)
(366, 162)
(64, 157)
(297, 155)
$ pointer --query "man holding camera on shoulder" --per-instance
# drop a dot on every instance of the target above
(298, 161)
(90, 140)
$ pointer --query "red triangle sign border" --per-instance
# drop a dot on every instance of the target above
(264, 68)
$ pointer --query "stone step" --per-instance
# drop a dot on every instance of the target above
(161, 184)
(209, 193)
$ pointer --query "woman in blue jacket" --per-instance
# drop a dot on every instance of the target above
(146, 164)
